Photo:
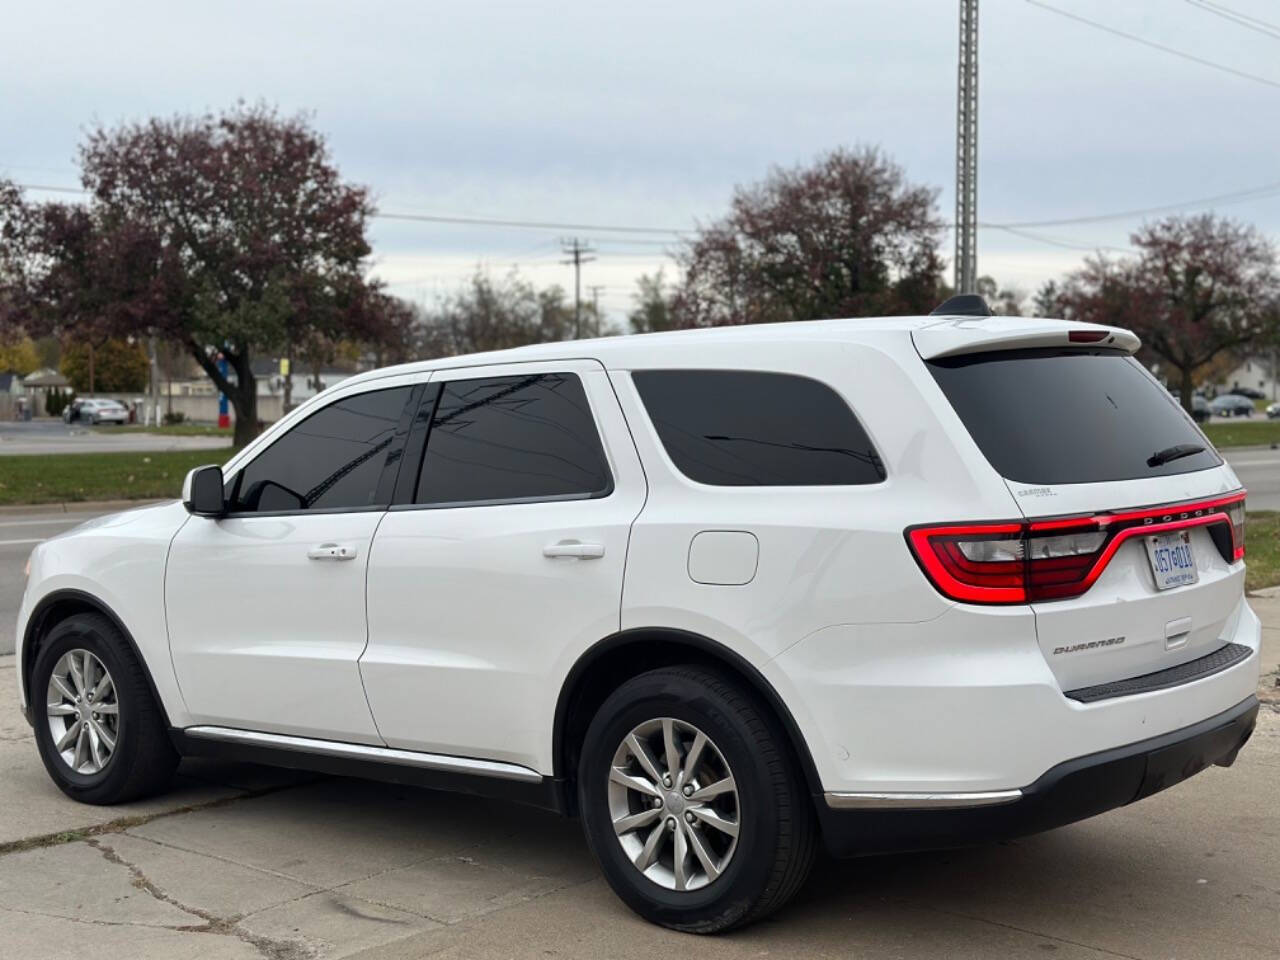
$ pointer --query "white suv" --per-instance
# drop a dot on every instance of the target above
(724, 594)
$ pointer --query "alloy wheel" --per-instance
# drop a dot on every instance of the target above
(83, 712)
(674, 804)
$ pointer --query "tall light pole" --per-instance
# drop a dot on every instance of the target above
(967, 151)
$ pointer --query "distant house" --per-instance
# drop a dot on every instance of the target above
(267, 378)
(1257, 373)
(38, 384)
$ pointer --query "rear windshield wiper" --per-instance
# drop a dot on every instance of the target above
(1176, 452)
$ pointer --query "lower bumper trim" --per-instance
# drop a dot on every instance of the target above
(1071, 791)
(929, 801)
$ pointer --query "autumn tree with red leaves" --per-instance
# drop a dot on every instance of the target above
(1198, 287)
(847, 236)
(257, 241)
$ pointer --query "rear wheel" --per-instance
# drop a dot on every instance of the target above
(691, 801)
(100, 733)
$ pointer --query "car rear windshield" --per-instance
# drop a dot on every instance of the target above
(1071, 416)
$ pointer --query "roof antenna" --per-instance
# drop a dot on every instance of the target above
(962, 305)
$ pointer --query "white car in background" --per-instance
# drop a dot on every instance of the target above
(94, 411)
(725, 595)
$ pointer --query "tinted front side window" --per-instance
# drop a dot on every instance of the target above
(741, 428)
(1069, 416)
(331, 460)
(512, 438)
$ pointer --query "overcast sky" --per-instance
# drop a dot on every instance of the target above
(648, 113)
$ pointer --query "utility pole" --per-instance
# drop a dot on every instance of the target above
(154, 389)
(577, 250)
(967, 151)
(595, 305)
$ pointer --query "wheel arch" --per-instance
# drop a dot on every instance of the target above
(622, 655)
(59, 605)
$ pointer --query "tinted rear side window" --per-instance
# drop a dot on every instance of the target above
(1052, 416)
(743, 428)
(331, 460)
(513, 438)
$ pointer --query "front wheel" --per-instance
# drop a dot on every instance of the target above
(692, 803)
(99, 730)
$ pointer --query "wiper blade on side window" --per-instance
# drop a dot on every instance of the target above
(1176, 452)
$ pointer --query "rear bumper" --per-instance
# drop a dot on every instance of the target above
(1070, 791)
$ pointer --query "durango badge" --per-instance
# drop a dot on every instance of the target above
(1091, 645)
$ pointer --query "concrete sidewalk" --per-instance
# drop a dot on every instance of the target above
(246, 862)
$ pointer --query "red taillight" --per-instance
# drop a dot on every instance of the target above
(1038, 560)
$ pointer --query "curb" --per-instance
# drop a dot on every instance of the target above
(74, 506)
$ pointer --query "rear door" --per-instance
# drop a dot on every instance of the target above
(502, 560)
(1131, 538)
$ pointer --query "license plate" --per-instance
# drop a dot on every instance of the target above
(1172, 560)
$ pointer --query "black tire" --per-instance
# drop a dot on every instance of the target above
(144, 758)
(775, 846)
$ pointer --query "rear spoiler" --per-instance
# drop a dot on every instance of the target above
(951, 336)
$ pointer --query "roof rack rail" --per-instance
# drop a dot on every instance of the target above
(962, 305)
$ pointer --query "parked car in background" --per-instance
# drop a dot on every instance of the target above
(1232, 405)
(704, 590)
(1273, 411)
(94, 410)
(1200, 408)
(1253, 393)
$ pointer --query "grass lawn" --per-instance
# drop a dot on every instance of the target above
(1243, 433)
(1262, 549)
(99, 476)
(174, 430)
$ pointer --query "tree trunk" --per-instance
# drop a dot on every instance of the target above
(244, 398)
(1186, 388)
(243, 394)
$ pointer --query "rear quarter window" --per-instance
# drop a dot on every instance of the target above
(747, 428)
(1069, 416)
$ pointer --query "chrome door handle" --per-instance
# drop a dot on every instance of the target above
(332, 551)
(574, 549)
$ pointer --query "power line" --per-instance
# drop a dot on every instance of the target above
(1156, 46)
(1243, 19)
(1236, 196)
(462, 221)
(527, 224)
(1264, 191)
(1066, 244)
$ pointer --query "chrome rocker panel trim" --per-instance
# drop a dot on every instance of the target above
(359, 751)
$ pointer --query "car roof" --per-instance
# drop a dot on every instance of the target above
(641, 350)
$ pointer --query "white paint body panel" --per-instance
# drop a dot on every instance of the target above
(469, 632)
(265, 638)
(120, 560)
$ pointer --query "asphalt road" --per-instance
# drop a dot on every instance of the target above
(54, 436)
(19, 533)
(1259, 470)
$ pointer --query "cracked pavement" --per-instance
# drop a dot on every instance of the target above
(247, 862)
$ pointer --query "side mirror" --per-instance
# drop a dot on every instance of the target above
(202, 492)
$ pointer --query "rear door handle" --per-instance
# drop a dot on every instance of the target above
(574, 549)
(332, 551)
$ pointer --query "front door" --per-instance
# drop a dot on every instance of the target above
(507, 562)
(266, 606)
